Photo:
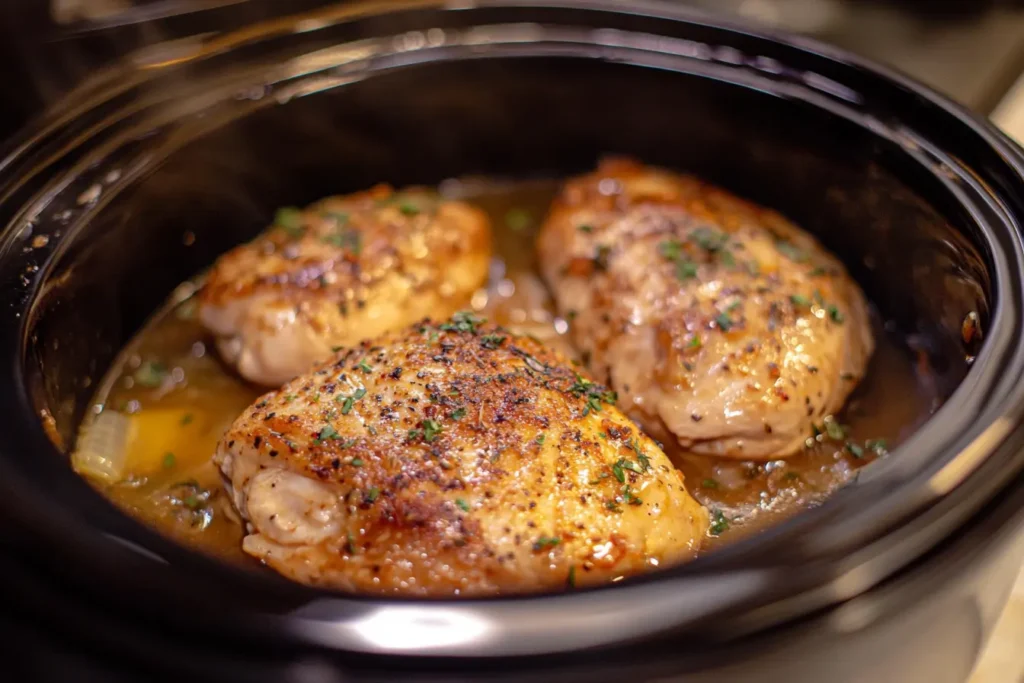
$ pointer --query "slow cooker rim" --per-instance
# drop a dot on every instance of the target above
(1012, 156)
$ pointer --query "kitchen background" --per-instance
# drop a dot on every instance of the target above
(972, 50)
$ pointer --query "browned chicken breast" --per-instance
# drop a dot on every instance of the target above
(723, 327)
(345, 269)
(453, 459)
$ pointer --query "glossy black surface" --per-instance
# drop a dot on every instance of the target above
(141, 180)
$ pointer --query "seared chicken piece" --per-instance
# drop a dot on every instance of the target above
(723, 327)
(453, 459)
(345, 269)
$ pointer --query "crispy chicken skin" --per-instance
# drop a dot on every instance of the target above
(345, 269)
(723, 327)
(453, 459)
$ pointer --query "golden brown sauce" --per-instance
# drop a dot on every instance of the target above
(179, 399)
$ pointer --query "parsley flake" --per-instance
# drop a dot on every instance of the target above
(328, 433)
(719, 522)
(150, 374)
(289, 219)
(545, 542)
(463, 321)
(431, 430)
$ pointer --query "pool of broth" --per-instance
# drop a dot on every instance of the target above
(180, 399)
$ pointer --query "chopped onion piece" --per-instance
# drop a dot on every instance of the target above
(103, 449)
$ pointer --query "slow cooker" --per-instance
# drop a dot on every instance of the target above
(158, 162)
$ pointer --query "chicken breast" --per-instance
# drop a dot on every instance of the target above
(345, 269)
(453, 459)
(724, 328)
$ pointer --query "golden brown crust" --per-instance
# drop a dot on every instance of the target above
(724, 327)
(344, 269)
(468, 461)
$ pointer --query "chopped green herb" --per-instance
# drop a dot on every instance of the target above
(288, 398)
(463, 321)
(348, 402)
(518, 220)
(601, 256)
(414, 434)
(289, 219)
(644, 461)
(458, 413)
(708, 239)
(612, 505)
(357, 462)
(719, 523)
(631, 466)
(817, 271)
(725, 323)
(593, 392)
(372, 494)
(685, 270)
(726, 258)
(150, 374)
(168, 461)
(617, 471)
(408, 208)
(855, 450)
(350, 543)
(349, 239)
(709, 484)
(492, 341)
(365, 367)
(328, 433)
(540, 439)
(585, 228)
(463, 505)
(879, 446)
(694, 344)
(835, 314)
(571, 580)
(186, 419)
(834, 430)
(629, 496)
(790, 251)
(671, 249)
(431, 430)
(546, 542)
(800, 300)
(593, 405)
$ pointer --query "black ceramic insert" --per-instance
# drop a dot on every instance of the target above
(139, 181)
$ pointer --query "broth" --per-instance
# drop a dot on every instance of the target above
(179, 399)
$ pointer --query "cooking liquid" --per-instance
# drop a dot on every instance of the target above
(179, 399)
